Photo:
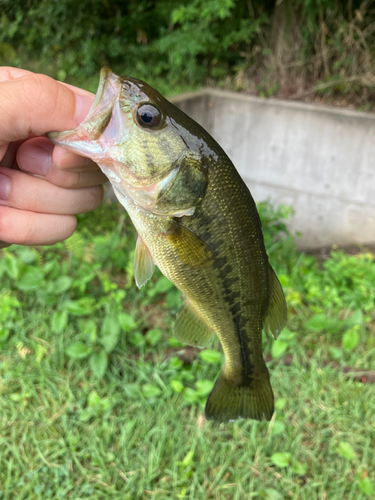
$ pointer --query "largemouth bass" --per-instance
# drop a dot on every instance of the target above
(198, 222)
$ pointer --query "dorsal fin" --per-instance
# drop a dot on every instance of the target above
(276, 316)
(189, 328)
(143, 264)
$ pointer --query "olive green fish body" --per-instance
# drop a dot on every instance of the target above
(198, 223)
(231, 298)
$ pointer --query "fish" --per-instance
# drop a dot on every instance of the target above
(197, 221)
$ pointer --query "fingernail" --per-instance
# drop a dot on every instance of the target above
(83, 105)
(37, 159)
(4, 187)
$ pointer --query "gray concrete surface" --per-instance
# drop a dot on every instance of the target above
(319, 160)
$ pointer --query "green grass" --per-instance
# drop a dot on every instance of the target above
(135, 429)
(160, 448)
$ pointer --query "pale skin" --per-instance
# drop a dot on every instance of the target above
(42, 186)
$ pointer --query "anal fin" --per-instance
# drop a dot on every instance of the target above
(143, 264)
(189, 328)
(276, 316)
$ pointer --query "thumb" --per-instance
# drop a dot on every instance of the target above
(35, 104)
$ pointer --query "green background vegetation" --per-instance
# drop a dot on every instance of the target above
(97, 401)
(288, 48)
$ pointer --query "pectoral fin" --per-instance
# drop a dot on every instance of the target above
(143, 264)
(189, 328)
(276, 316)
(191, 249)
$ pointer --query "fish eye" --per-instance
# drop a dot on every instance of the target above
(148, 116)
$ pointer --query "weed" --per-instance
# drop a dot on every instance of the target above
(98, 401)
(298, 49)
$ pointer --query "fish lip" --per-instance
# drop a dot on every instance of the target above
(104, 76)
(107, 94)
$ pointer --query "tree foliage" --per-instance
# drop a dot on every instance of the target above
(190, 40)
(262, 46)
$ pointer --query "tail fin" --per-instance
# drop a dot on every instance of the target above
(228, 401)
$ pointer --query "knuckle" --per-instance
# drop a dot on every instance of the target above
(94, 197)
(70, 180)
(40, 93)
(68, 224)
(27, 236)
(5, 225)
(21, 233)
(39, 84)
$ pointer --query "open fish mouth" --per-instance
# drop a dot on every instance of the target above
(84, 139)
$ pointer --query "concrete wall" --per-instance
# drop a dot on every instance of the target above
(317, 159)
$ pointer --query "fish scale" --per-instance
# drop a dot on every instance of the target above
(196, 221)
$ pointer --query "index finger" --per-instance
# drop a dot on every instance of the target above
(9, 73)
(35, 104)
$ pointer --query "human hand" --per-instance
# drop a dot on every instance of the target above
(42, 186)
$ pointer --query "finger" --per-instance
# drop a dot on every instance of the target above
(8, 73)
(35, 156)
(30, 228)
(8, 160)
(36, 104)
(65, 160)
(26, 192)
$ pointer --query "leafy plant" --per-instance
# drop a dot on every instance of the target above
(270, 48)
(99, 399)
